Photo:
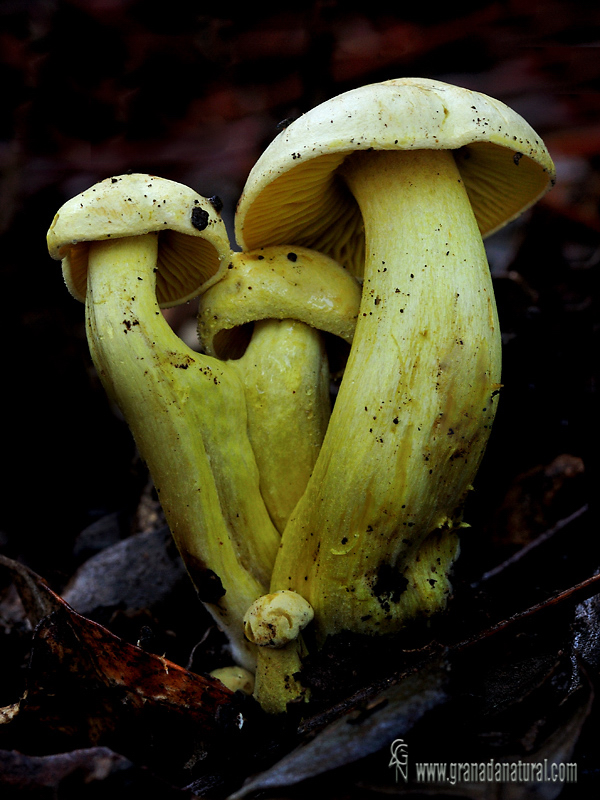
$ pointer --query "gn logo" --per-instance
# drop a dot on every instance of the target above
(399, 759)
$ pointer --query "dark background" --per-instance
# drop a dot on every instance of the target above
(93, 89)
(194, 92)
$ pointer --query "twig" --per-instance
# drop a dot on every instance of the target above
(541, 539)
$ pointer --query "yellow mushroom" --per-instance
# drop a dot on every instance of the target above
(398, 182)
(129, 245)
(268, 315)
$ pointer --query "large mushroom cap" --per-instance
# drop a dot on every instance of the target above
(193, 246)
(293, 195)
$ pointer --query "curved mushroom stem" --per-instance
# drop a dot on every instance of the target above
(414, 410)
(285, 373)
(187, 413)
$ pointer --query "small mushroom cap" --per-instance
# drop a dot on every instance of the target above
(193, 245)
(293, 195)
(235, 678)
(277, 283)
(276, 619)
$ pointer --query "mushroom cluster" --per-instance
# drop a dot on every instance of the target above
(360, 230)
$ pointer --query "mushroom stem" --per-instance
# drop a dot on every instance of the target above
(285, 373)
(187, 413)
(414, 410)
(276, 679)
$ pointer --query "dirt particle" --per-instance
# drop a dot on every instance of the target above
(283, 124)
(199, 219)
(388, 586)
(216, 203)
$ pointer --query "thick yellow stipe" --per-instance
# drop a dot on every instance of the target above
(285, 373)
(416, 404)
(187, 413)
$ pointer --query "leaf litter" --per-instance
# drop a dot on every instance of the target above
(518, 685)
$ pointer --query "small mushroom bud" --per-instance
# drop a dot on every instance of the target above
(273, 623)
(275, 620)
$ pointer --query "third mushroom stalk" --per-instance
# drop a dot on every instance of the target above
(360, 230)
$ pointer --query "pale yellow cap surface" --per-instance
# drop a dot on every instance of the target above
(193, 245)
(293, 195)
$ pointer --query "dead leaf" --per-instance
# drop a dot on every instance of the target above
(366, 729)
(75, 774)
(37, 597)
(85, 686)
